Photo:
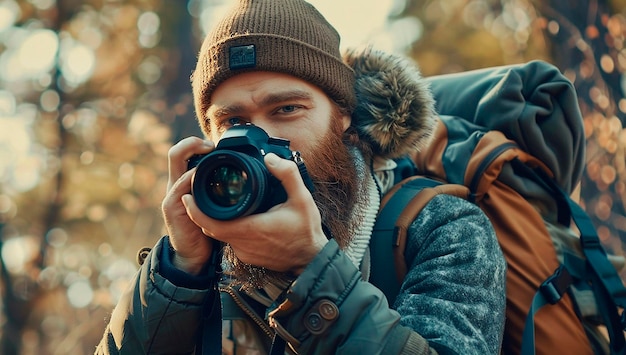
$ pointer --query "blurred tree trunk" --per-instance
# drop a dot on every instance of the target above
(21, 291)
(184, 47)
(13, 308)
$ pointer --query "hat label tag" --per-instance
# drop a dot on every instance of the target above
(240, 57)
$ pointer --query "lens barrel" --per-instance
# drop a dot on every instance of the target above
(229, 184)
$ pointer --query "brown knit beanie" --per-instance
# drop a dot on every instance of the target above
(287, 36)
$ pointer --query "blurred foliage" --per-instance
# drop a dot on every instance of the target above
(94, 92)
(81, 189)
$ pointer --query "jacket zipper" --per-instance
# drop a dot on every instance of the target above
(248, 310)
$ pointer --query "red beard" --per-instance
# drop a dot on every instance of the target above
(331, 167)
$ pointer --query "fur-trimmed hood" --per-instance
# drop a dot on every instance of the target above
(395, 110)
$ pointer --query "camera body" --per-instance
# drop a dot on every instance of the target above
(232, 180)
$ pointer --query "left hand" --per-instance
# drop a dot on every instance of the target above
(285, 239)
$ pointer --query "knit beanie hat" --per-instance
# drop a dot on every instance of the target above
(287, 36)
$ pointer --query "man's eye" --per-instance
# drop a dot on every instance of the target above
(234, 120)
(289, 108)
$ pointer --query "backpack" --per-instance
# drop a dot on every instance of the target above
(511, 140)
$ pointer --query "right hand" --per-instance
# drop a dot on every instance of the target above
(193, 248)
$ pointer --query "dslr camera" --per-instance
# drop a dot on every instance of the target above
(232, 180)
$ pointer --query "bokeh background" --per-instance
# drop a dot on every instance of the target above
(93, 93)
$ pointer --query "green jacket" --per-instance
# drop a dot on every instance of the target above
(452, 300)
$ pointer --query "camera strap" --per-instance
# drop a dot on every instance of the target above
(210, 342)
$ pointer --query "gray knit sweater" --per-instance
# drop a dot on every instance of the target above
(453, 294)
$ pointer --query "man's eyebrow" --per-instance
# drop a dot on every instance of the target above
(282, 96)
(223, 111)
(270, 99)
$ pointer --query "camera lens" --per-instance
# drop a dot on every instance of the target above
(227, 185)
(230, 184)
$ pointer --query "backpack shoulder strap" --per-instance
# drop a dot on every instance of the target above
(399, 208)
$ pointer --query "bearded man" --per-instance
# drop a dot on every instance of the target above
(295, 276)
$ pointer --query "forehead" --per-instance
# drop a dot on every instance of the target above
(254, 85)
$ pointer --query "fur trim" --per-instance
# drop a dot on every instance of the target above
(395, 110)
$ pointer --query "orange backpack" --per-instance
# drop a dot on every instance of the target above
(511, 140)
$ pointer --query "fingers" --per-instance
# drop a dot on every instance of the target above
(192, 247)
(197, 216)
(287, 172)
(180, 153)
(178, 188)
